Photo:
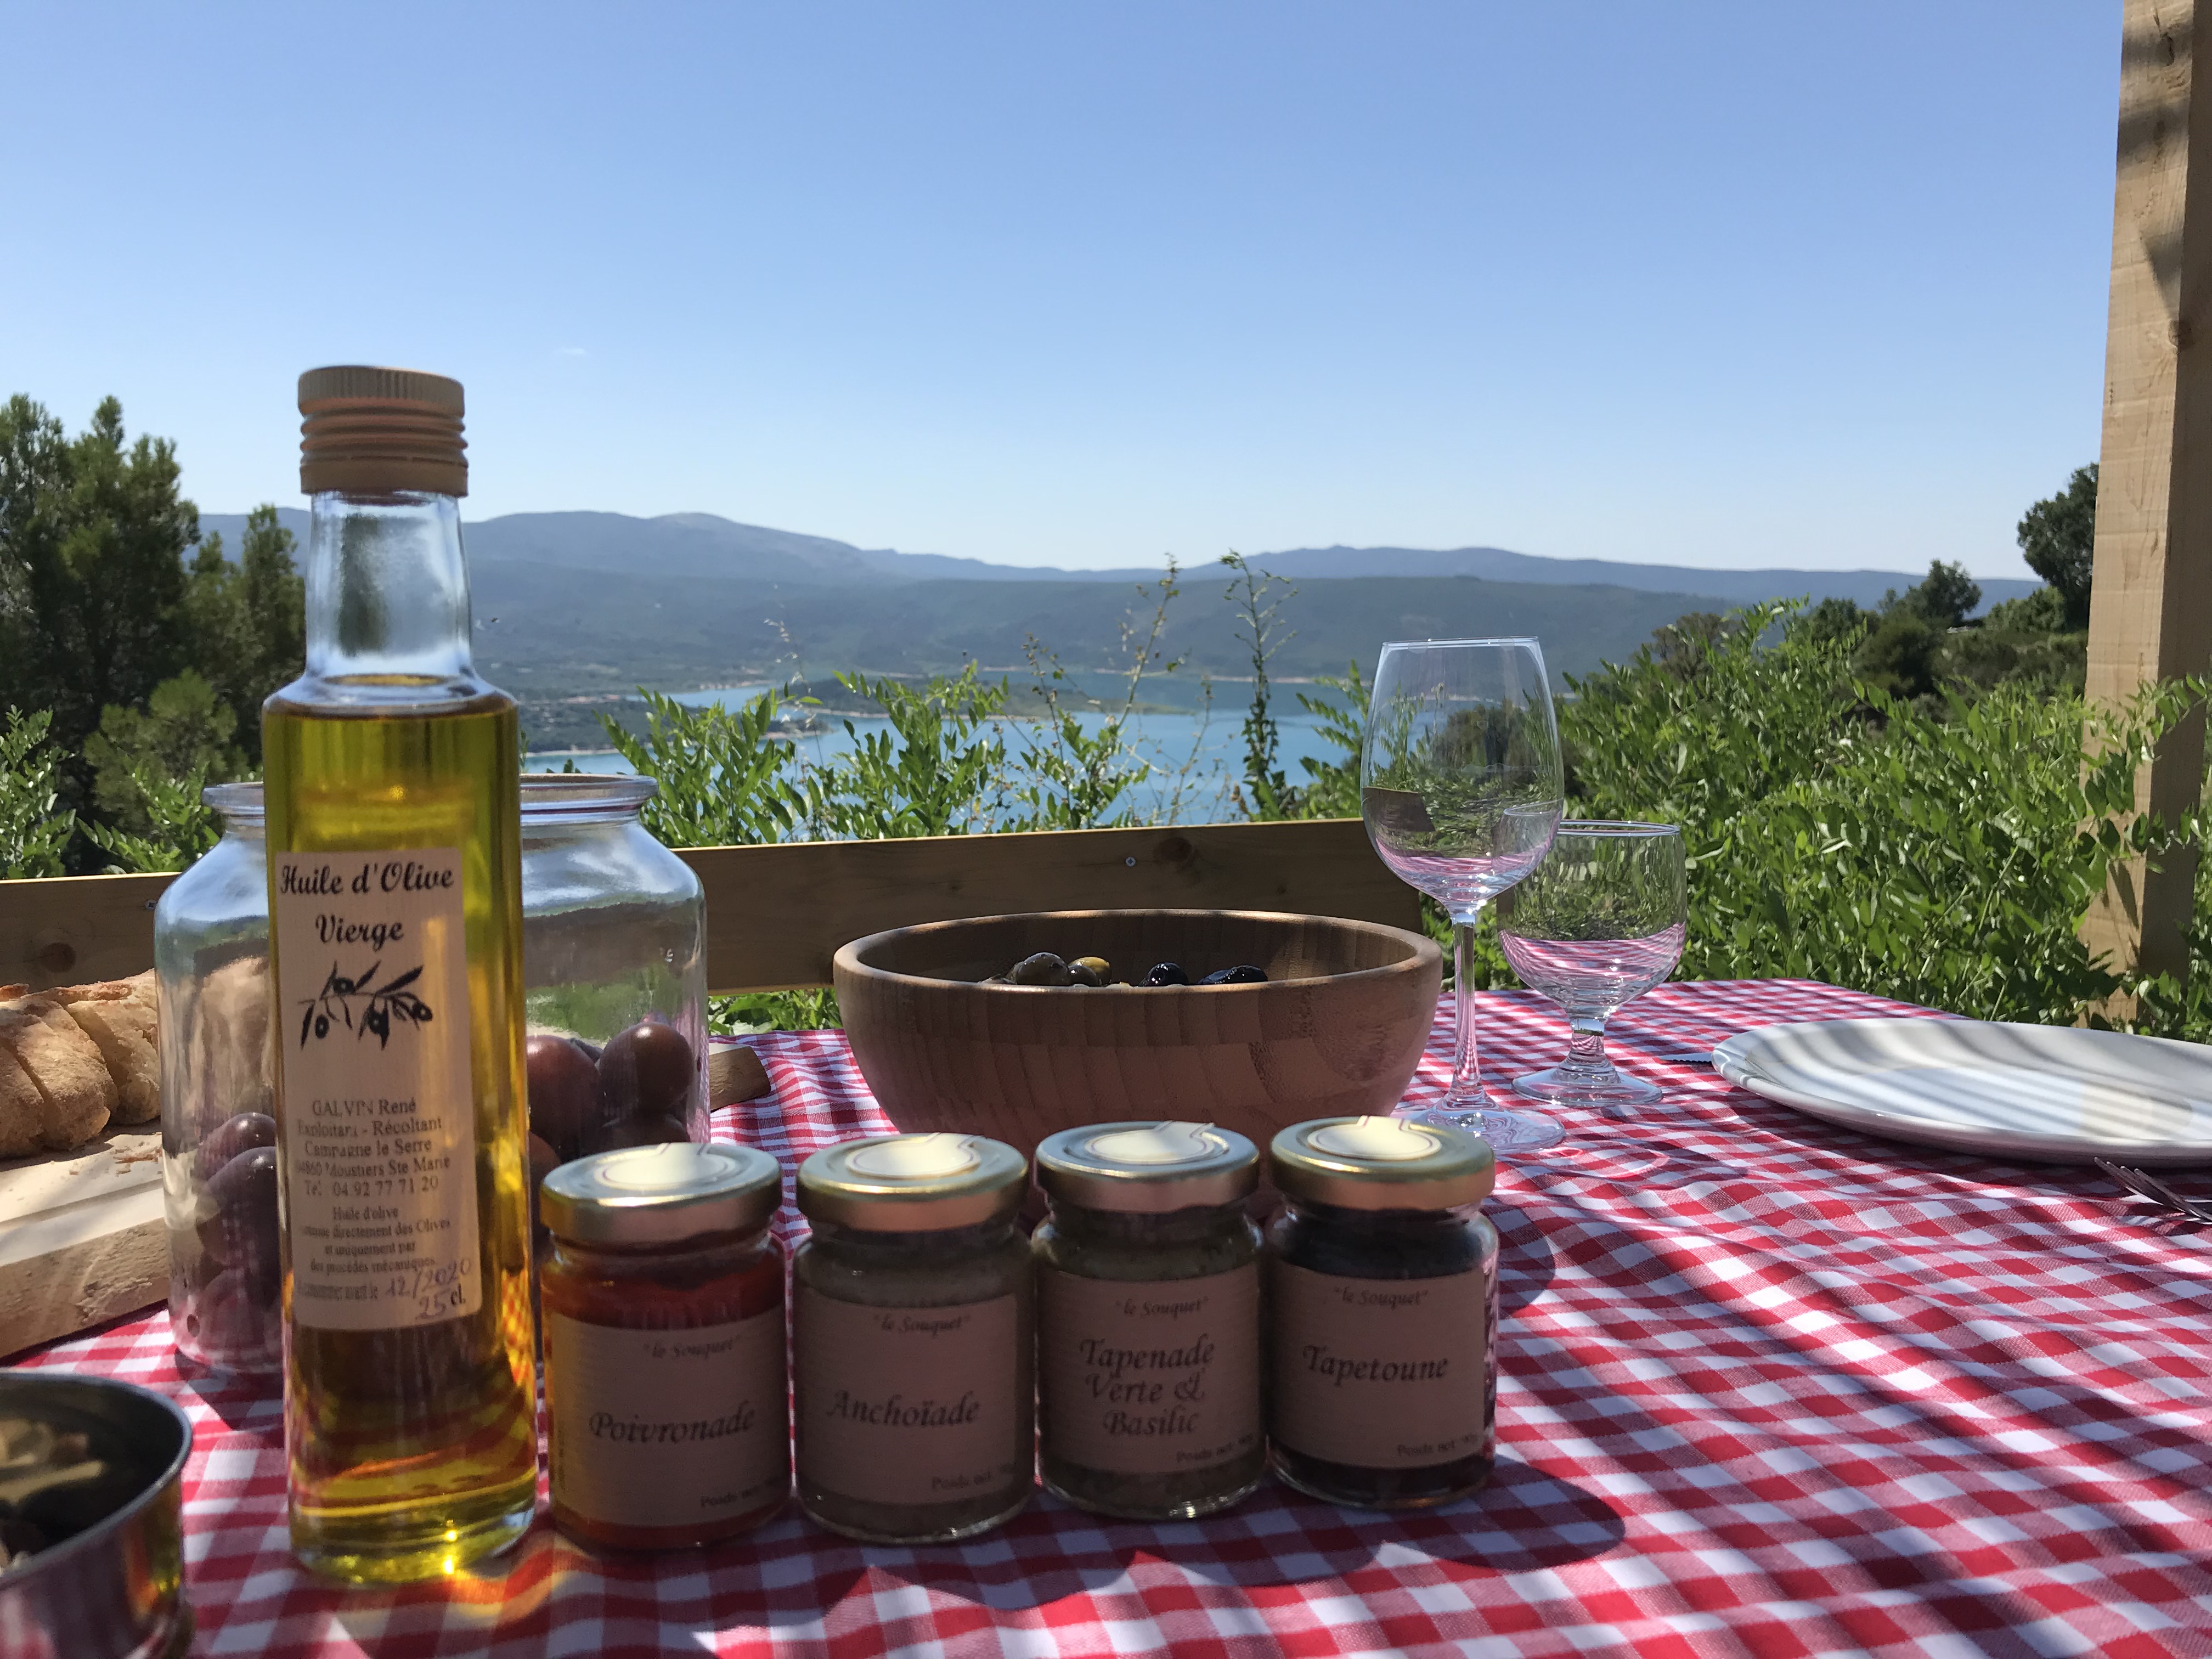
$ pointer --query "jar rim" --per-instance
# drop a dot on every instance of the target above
(959, 1181)
(238, 803)
(1090, 1167)
(662, 1195)
(1436, 1168)
(558, 798)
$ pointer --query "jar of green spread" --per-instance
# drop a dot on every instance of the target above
(912, 1336)
(1382, 1296)
(1148, 1319)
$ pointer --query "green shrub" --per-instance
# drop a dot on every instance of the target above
(33, 831)
(1834, 832)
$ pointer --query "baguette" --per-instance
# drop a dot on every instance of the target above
(76, 1092)
(122, 1029)
(74, 1061)
(22, 1114)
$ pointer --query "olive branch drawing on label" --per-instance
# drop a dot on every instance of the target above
(380, 1004)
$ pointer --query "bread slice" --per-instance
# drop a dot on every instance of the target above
(76, 1094)
(122, 1029)
(22, 1114)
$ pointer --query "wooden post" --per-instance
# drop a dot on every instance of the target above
(2150, 607)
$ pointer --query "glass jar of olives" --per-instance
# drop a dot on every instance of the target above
(1382, 1300)
(218, 1136)
(911, 1339)
(1148, 1319)
(614, 960)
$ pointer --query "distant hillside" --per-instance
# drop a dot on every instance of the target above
(579, 605)
(542, 631)
(687, 546)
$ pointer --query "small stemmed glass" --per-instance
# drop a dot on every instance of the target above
(1462, 788)
(1600, 923)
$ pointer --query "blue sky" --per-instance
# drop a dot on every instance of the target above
(1083, 284)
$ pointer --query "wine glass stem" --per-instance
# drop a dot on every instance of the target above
(1586, 1044)
(1467, 1074)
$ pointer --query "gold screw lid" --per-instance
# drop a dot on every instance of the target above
(664, 1195)
(1382, 1163)
(375, 431)
(1147, 1167)
(918, 1183)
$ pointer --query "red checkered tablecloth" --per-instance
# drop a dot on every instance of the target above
(1767, 1387)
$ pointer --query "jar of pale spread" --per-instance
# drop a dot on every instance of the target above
(1148, 1319)
(663, 1297)
(1382, 1299)
(912, 1332)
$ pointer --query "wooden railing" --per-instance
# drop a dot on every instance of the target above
(776, 914)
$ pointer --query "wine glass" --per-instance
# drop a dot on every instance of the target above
(1595, 927)
(1462, 788)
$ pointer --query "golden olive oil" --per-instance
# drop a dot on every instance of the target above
(415, 1449)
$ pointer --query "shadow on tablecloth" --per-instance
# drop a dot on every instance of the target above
(1524, 1520)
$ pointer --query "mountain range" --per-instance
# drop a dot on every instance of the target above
(575, 610)
(682, 546)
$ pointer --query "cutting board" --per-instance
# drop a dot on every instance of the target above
(81, 1237)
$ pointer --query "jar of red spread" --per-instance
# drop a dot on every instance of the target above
(1381, 1299)
(665, 1391)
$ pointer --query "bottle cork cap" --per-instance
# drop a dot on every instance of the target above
(375, 431)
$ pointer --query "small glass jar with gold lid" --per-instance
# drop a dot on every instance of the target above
(664, 1392)
(1382, 1298)
(912, 1332)
(1148, 1319)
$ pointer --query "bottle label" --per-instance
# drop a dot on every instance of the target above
(377, 1112)
(1150, 1377)
(1379, 1373)
(907, 1404)
(666, 1428)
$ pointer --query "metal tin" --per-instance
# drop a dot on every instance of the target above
(662, 1195)
(913, 1183)
(1147, 1167)
(1382, 1163)
(116, 1589)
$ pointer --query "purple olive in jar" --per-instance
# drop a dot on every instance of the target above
(564, 1088)
(242, 1234)
(648, 1071)
(233, 1135)
(237, 1317)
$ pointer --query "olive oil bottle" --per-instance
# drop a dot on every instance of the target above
(396, 925)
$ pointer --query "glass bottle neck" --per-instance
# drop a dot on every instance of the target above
(388, 595)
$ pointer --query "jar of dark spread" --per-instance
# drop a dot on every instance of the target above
(912, 1336)
(1383, 1295)
(663, 1298)
(1148, 1319)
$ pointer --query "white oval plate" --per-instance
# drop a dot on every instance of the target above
(2056, 1094)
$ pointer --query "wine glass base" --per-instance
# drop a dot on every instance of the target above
(1507, 1131)
(1565, 1086)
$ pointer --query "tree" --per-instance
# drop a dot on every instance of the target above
(1944, 598)
(92, 575)
(1899, 656)
(247, 621)
(2059, 538)
(1835, 618)
(183, 736)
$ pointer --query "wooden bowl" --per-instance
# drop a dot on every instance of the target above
(1338, 1027)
